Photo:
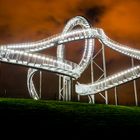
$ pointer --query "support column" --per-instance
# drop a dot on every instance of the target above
(134, 84)
(40, 84)
(104, 68)
(69, 89)
(65, 84)
(64, 89)
(92, 97)
(78, 97)
(116, 97)
(60, 88)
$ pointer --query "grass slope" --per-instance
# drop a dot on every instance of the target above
(57, 115)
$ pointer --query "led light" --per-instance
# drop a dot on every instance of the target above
(65, 67)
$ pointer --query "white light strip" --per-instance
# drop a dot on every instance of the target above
(21, 54)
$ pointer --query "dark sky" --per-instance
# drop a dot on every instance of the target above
(26, 21)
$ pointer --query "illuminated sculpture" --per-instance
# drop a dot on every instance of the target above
(23, 54)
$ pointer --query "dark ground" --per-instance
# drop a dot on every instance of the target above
(57, 118)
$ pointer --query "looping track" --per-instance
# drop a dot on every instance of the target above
(24, 54)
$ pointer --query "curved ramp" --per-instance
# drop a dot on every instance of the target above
(25, 54)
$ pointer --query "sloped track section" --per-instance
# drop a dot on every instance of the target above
(25, 54)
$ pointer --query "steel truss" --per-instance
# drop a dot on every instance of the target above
(25, 54)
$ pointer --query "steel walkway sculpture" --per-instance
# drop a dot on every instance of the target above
(25, 54)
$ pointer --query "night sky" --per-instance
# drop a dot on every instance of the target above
(26, 21)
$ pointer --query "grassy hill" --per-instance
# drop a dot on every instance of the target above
(59, 115)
